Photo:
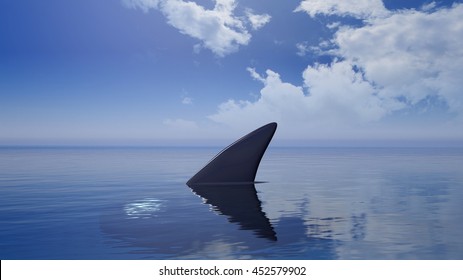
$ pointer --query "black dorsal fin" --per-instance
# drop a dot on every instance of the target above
(238, 162)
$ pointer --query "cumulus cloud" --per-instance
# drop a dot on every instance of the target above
(410, 54)
(331, 95)
(218, 29)
(393, 63)
(361, 9)
(257, 21)
(276, 99)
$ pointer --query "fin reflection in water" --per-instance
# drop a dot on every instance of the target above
(240, 203)
(227, 182)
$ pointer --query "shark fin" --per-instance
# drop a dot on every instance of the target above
(238, 162)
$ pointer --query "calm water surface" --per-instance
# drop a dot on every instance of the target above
(316, 203)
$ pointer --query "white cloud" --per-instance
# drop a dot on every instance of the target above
(340, 93)
(218, 29)
(392, 63)
(304, 48)
(410, 54)
(255, 75)
(257, 21)
(145, 5)
(429, 6)
(335, 95)
(361, 9)
(278, 101)
(324, 48)
(187, 100)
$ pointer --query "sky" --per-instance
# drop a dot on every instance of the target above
(175, 72)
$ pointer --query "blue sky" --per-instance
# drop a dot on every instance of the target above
(163, 72)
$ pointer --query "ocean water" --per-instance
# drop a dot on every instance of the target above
(314, 203)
